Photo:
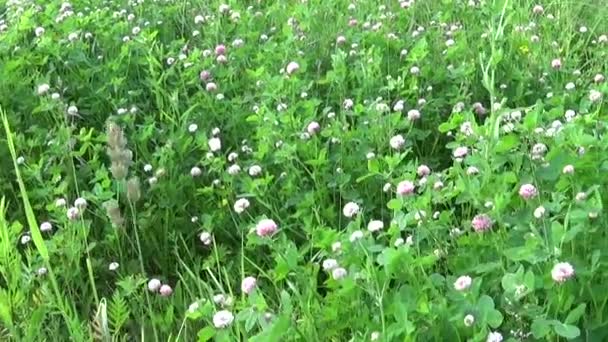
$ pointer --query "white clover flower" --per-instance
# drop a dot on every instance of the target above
(539, 212)
(515, 115)
(356, 235)
(339, 273)
(232, 156)
(241, 205)
(387, 187)
(80, 203)
(248, 285)
(469, 320)
(205, 238)
(350, 209)
(72, 110)
(25, 239)
(224, 8)
(215, 144)
(292, 67)
(196, 171)
(466, 128)
(409, 240)
(193, 307)
(398, 107)
(463, 283)
(413, 115)
(382, 107)
(581, 196)
(219, 299)
(472, 170)
(255, 170)
(348, 104)
(419, 215)
(336, 247)
(60, 202)
(165, 290)
(569, 115)
(422, 181)
(154, 285)
(41, 271)
(397, 142)
(223, 319)
(234, 169)
(594, 95)
(329, 264)
(46, 227)
(43, 89)
(375, 225)
(494, 337)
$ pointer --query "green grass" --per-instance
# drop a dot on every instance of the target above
(107, 104)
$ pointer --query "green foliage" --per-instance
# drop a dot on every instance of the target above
(141, 163)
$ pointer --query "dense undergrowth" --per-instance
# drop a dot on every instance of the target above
(303, 170)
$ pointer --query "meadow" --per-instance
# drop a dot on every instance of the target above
(311, 170)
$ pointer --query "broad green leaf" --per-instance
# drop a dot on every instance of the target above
(540, 327)
(418, 52)
(531, 119)
(487, 267)
(566, 330)
(557, 233)
(485, 304)
(576, 314)
(507, 143)
(275, 332)
(395, 204)
(495, 319)
(206, 334)
(529, 280)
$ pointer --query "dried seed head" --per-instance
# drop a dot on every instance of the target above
(113, 212)
(133, 189)
(116, 137)
(119, 171)
(120, 157)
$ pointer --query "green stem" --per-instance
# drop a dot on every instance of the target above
(141, 264)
